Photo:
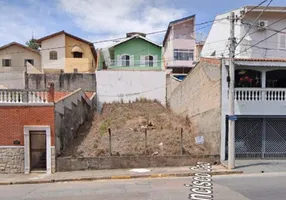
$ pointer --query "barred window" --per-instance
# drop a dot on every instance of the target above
(53, 55)
(183, 54)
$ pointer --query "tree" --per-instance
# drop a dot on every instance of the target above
(32, 43)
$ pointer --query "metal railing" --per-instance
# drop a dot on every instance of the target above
(23, 96)
(260, 94)
(135, 63)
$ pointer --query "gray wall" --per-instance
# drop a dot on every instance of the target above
(199, 98)
(70, 113)
(171, 84)
(119, 162)
(63, 82)
(12, 80)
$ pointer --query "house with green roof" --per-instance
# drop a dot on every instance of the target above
(136, 52)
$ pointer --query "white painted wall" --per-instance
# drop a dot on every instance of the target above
(168, 48)
(219, 34)
(58, 43)
(129, 85)
(273, 50)
(218, 37)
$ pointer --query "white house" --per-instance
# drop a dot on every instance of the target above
(260, 80)
(270, 22)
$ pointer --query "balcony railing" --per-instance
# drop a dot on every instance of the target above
(135, 63)
(260, 94)
(23, 96)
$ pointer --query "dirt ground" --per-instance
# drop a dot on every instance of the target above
(127, 123)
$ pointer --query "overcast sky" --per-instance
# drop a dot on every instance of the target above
(104, 19)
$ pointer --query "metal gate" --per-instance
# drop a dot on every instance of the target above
(38, 150)
(260, 138)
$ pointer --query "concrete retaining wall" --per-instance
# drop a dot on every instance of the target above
(76, 164)
(199, 97)
(64, 81)
(71, 112)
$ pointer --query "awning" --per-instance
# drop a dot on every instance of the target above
(77, 49)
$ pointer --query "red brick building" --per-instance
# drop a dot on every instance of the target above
(27, 127)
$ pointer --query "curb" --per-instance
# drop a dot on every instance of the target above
(116, 177)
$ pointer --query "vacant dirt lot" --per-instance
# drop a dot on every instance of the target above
(127, 122)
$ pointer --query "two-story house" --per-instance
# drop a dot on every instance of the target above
(65, 52)
(260, 83)
(180, 45)
(136, 52)
(16, 57)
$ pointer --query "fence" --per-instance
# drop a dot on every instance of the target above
(185, 153)
(23, 96)
(145, 142)
(135, 142)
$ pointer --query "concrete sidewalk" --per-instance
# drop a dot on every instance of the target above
(34, 178)
(259, 166)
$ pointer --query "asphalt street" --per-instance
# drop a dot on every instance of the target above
(231, 187)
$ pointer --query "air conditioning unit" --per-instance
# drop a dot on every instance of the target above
(262, 24)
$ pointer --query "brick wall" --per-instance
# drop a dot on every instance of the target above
(199, 98)
(13, 119)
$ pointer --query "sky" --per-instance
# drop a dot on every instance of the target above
(96, 20)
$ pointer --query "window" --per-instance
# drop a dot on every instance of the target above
(183, 54)
(31, 61)
(247, 78)
(6, 62)
(276, 79)
(77, 54)
(125, 60)
(149, 61)
(53, 55)
(282, 41)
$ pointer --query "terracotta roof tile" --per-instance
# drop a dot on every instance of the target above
(262, 59)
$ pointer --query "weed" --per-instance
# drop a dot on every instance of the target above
(104, 126)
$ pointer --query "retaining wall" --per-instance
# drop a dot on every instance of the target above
(119, 162)
(70, 112)
(63, 82)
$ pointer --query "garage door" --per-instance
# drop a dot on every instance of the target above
(260, 138)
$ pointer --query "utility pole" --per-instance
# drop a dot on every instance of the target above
(231, 119)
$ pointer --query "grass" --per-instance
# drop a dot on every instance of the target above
(104, 126)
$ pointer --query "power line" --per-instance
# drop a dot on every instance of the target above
(262, 41)
(254, 22)
(115, 39)
(268, 28)
(253, 8)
